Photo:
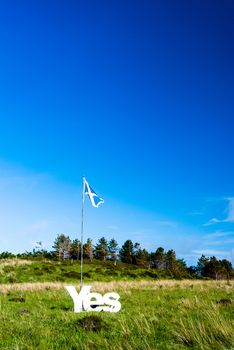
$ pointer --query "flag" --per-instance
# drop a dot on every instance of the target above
(94, 198)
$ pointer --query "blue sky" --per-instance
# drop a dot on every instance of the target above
(138, 97)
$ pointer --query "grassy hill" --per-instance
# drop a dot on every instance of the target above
(37, 312)
(16, 271)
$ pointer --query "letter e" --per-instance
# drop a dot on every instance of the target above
(93, 302)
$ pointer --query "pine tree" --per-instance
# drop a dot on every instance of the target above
(88, 249)
(214, 268)
(227, 269)
(170, 259)
(113, 249)
(160, 258)
(75, 249)
(126, 253)
(201, 265)
(101, 249)
(62, 245)
(142, 258)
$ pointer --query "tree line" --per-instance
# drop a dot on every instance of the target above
(131, 253)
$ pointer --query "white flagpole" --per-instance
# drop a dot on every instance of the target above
(81, 236)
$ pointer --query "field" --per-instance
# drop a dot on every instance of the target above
(155, 314)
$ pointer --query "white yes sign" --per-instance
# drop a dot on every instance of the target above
(86, 301)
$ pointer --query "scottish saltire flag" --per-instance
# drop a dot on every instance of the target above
(94, 198)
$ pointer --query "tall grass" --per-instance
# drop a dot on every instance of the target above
(206, 330)
(157, 315)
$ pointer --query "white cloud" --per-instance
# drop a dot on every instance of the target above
(219, 238)
(219, 234)
(211, 252)
(212, 221)
(221, 242)
(230, 214)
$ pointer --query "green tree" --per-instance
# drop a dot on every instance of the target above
(101, 249)
(160, 259)
(175, 267)
(213, 268)
(75, 249)
(227, 269)
(170, 259)
(126, 253)
(180, 269)
(142, 258)
(88, 249)
(62, 245)
(7, 255)
(113, 250)
(201, 265)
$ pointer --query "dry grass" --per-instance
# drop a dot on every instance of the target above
(144, 284)
(13, 262)
(122, 285)
(4, 288)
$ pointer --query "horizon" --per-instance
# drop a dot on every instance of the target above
(138, 98)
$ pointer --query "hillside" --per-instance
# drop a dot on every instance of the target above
(18, 271)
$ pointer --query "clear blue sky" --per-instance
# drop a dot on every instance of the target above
(135, 95)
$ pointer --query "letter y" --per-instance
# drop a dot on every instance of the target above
(78, 298)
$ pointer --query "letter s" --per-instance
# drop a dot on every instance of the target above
(111, 299)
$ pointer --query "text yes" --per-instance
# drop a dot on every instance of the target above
(86, 301)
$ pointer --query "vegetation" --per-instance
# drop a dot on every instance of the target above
(159, 310)
(155, 315)
(158, 264)
(19, 270)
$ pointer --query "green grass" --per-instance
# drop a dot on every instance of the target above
(155, 315)
(18, 271)
(36, 312)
